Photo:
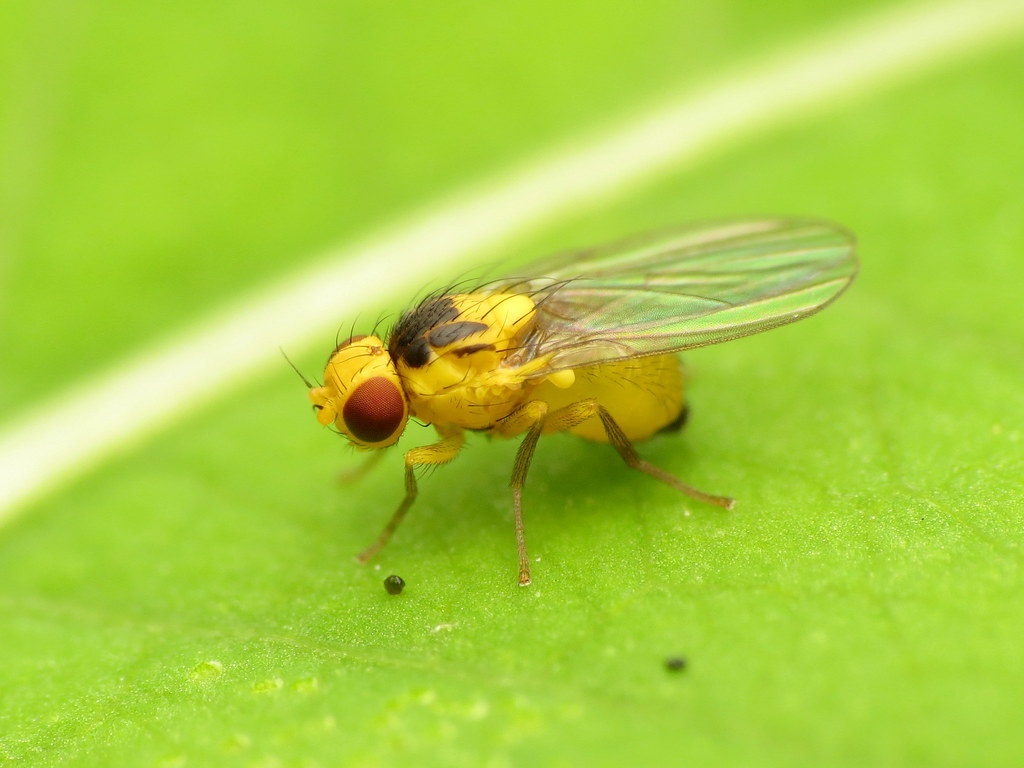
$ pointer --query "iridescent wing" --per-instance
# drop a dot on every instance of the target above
(669, 291)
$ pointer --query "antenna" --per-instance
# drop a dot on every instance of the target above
(295, 368)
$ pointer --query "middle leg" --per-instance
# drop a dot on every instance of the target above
(533, 419)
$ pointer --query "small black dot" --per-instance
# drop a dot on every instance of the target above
(675, 663)
(394, 584)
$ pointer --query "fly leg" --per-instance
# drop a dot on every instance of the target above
(529, 418)
(629, 455)
(352, 474)
(534, 419)
(576, 413)
(441, 452)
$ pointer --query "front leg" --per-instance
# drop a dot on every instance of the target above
(441, 452)
(352, 474)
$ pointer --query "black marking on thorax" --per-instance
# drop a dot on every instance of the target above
(450, 333)
(432, 325)
(408, 340)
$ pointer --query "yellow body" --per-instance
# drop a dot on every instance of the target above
(477, 390)
(468, 361)
(453, 363)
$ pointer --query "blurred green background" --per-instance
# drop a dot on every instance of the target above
(194, 601)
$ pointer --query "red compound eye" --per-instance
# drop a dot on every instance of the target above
(375, 410)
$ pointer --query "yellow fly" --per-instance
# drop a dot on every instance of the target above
(586, 344)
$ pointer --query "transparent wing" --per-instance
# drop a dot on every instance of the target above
(669, 291)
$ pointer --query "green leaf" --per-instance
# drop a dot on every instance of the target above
(194, 601)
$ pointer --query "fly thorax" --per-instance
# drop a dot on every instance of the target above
(450, 353)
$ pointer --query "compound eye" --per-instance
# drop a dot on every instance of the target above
(375, 410)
